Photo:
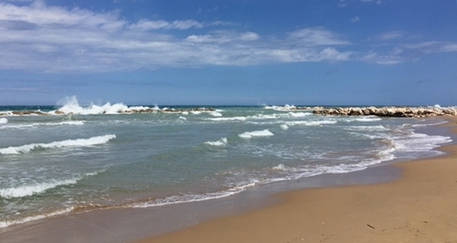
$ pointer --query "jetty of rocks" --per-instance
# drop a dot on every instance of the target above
(386, 111)
(169, 110)
(129, 111)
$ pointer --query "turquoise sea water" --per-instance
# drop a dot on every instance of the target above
(95, 158)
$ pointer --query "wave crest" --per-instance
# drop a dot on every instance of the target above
(29, 190)
(219, 143)
(261, 133)
(59, 144)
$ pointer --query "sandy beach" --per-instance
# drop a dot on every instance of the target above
(418, 207)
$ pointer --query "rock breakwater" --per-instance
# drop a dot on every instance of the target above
(141, 110)
(386, 111)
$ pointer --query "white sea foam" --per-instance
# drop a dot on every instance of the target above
(379, 128)
(368, 119)
(428, 124)
(262, 117)
(219, 143)
(298, 114)
(284, 126)
(7, 223)
(420, 142)
(279, 167)
(262, 133)
(3, 121)
(311, 123)
(59, 144)
(38, 188)
(237, 118)
(286, 107)
(186, 198)
(32, 125)
(29, 190)
(215, 113)
(78, 123)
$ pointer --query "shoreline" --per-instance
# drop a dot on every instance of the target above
(417, 207)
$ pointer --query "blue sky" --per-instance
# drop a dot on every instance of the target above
(229, 52)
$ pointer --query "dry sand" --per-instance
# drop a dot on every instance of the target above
(421, 206)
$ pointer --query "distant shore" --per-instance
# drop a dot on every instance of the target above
(418, 207)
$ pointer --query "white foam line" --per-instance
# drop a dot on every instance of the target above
(38, 188)
(193, 197)
(262, 133)
(29, 190)
(219, 143)
(59, 144)
(7, 223)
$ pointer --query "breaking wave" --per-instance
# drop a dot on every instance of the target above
(72, 106)
(29, 190)
(219, 143)
(59, 144)
(262, 133)
(38, 188)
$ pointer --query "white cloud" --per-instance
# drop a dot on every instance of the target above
(145, 25)
(249, 36)
(433, 47)
(355, 19)
(55, 17)
(42, 38)
(449, 47)
(332, 54)
(342, 4)
(392, 35)
(369, 1)
(222, 37)
(316, 37)
(389, 59)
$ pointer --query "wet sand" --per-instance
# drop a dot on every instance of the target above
(420, 206)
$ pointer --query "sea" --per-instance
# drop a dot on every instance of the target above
(80, 158)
